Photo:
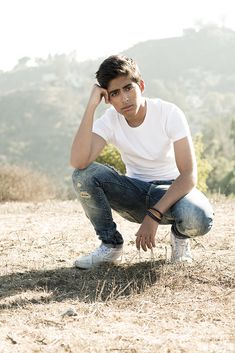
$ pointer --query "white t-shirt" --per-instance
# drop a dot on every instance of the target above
(147, 150)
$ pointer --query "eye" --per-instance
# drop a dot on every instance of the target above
(114, 94)
(128, 88)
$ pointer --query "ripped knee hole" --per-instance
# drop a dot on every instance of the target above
(85, 195)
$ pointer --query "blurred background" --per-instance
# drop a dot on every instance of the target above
(50, 51)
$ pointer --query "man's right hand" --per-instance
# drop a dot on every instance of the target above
(96, 96)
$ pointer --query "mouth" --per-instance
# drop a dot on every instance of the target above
(127, 108)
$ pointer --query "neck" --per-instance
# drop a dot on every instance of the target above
(140, 116)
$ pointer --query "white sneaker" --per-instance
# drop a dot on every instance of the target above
(99, 256)
(180, 250)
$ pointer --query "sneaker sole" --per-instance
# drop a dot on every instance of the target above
(116, 262)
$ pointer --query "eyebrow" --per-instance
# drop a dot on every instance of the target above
(118, 89)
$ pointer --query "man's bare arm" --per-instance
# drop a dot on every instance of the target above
(87, 145)
(187, 180)
(186, 163)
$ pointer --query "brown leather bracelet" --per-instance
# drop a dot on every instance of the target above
(156, 219)
(155, 209)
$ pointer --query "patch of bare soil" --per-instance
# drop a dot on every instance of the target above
(144, 305)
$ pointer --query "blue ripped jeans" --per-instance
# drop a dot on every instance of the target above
(100, 189)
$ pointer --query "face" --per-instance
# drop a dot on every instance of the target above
(126, 97)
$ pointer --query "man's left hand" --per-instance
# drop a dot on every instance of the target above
(145, 237)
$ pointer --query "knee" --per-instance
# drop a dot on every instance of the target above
(77, 178)
(90, 176)
(195, 224)
(80, 176)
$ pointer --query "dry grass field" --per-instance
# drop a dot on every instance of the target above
(143, 305)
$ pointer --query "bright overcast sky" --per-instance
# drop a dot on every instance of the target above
(95, 28)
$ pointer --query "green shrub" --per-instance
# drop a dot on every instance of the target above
(203, 165)
(227, 183)
(111, 156)
(23, 184)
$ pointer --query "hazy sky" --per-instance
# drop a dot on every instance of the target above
(96, 28)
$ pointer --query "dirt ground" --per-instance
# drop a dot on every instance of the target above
(143, 305)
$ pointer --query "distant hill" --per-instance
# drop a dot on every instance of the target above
(212, 49)
(41, 105)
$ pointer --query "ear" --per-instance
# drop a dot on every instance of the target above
(142, 86)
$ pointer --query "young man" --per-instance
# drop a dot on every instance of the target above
(160, 184)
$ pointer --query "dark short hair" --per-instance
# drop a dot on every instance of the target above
(117, 65)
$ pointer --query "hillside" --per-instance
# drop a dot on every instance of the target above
(41, 104)
(211, 49)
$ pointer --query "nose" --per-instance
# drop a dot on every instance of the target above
(125, 97)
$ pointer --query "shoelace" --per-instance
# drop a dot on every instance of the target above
(101, 250)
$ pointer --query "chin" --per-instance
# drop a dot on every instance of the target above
(131, 113)
(130, 116)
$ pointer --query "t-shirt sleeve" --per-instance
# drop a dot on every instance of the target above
(103, 126)
(177, 125)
